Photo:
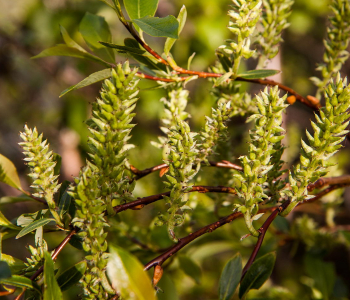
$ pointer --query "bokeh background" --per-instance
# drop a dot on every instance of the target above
(29, 94)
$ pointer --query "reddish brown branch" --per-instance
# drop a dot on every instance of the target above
(312, 104)
(225, 164)
(150, 199)
(211, 227)
(142, 173)
(315, 105)
(57, 251)
(329, 181)
(132, 31)
(186, 240)
(262, 231)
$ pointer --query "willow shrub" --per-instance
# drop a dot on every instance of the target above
(257, 184)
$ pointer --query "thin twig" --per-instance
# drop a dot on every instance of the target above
(262, 231)
(57, 251)
(329, 181)
(35, 198)
(140, 203)
(211, 227)
(186, 240)
(142, 173)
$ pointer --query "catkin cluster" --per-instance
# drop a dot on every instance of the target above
(104, 181)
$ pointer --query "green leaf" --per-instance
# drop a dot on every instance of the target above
(141, 58)
(64, 50)
(20, 281)
(230, 277)
(71, 276)
(169, 288)
(9, 199)
(58, 159)
(257, 274)
(190, 268)
(108, 3)
(69, 41)
(64, 203)
(256, 74)
(92, 78)
(25, 219)
(8, 173)
(5, 271)
(51, 289)
(223, 78)
(137, 9)
(127, 276)
(94, 29)
(6, 223)
(181, 18)
(323, 273)
(76, 242)
(159, 27)
(34, 225)
(16, 265)
(124, 49)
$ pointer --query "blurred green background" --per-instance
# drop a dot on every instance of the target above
(29, 94)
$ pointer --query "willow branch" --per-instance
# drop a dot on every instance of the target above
(142, 173)
(159, 260)
(329, 181)
(140, 203)
(263, 229)
(57, 251)
(186, 240)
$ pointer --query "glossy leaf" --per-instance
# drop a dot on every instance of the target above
(19, 281)
(6, 223)
(159, 27)
(323, 274)
(94, 29)
(124, 49)
(64, 199)
(51, 289)
(182, 20)
(5, 271)
(141, 58)
(92, 78)
(58, 160)
(257, 274)
(64, 50)
(168, 288)
(256, 74)
(76, 242)
(8, 173)
(190, 268)
(71, 276)
(108, 3)
(16, 265)
(137, 9)
(230, 277)
(25, 219)
(69, 41)
(34, 225)
(9, 199)
(127, 276)
(223, 78)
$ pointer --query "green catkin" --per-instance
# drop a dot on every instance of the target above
(243, 19)
(329, 132)
(336, 44)
(105, 181)
(41, 162)
(273, 21)
(261, 164)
